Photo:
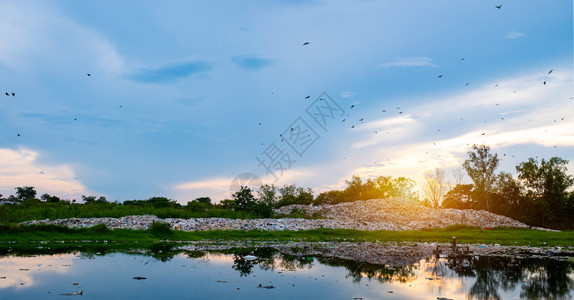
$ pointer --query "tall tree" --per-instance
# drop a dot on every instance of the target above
(506, 196)
(244, 197)
(547, 186)
(25, 192)
(435, 186)
(480, 168)
(458, 197)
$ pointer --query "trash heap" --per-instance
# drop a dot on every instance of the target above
(403, 214)
(378, 214)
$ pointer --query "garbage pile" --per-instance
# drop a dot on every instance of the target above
(378, 214)
(403, 214)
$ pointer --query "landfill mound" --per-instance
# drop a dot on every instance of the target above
(403, 214)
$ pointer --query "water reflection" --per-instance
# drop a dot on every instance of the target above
(471, 277)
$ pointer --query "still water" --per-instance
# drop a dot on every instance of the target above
(271, 275)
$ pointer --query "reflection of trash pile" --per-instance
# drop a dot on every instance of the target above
(387, 214)
(402, 214)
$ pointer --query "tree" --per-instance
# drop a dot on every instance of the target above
(403, 187)
(547, 187)
(506, 197)
(204, 200)
(329, 197)
(158, 202)
(458, 197)
(291, 194)
(480, 168)
(435, 186)
(89, 199)
(49, 199)
(244, 197)
(25, 192)
(267, 194)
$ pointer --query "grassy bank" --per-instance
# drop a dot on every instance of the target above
(20, 235)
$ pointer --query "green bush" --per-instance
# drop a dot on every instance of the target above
(159, 228)
(100, 228)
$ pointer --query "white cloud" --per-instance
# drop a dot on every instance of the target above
(514, 35)
(21, 168)
(417, 61)
(509, 120)
(37, 33)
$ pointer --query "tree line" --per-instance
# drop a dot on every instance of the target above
(540, 195)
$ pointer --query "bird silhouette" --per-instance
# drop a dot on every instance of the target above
(361, 119)
(439, 76)
(307, 97)
(352, 106)
(550, 71)
(463, 58)
(89, 74)
(498, 6)
(7, 94)
(544, 83)
(306, 43)
(18, 134)
(13, 94)
(467, 83)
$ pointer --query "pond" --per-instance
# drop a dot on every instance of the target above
(265, 273)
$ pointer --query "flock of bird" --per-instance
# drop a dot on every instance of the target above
(400, 112)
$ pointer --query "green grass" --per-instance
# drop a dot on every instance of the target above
(22, 234)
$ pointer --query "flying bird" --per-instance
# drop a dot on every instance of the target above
(439, 76)
(352, 106)
(307, 97)
(18, 134)
(467, 83)
(89, 74)
(463, 58)
(7, 94)
(361, 119)
(550, 71)
(13, 94)
(498, 6)
(306, 43)
(544, 83)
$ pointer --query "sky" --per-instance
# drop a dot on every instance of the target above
(185, 99)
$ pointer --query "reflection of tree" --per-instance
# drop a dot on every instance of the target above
(162, 251)
(548, 280)
(265, 259)
(242, 265)
(539, 278)
(294, 262)
(358, 270)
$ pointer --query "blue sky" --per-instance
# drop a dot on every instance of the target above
(184, 96)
